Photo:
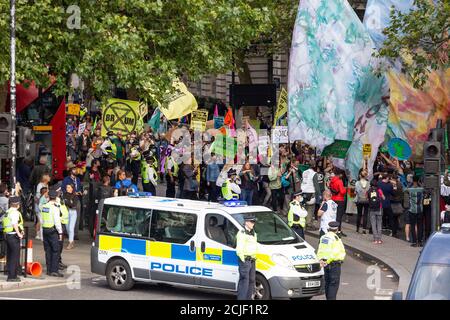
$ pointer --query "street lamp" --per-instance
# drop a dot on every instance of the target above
(12, 84)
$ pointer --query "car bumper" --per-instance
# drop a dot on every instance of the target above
(280, 287)
(97, 266)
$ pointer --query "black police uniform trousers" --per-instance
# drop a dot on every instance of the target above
(247, 275)
(171, 187)
(51, 247)
(149, 187)
(332, 279)
(61, 243)
(299, 230)
(12, 254)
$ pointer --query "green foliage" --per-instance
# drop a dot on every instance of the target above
(420, 39)
(138, 44)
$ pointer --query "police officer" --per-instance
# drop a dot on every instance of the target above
(13, 229)
(53, 232)
(297, 214)
(149, 176)
(171, 169)
(134, 161)
(108, 147)
(331, 254)
(230, 189)
(246, 250)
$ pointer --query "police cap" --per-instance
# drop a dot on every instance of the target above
(52, 194)
(333, 225)
(231, 172)
(250, 218)
(14, 200)
(298, 193)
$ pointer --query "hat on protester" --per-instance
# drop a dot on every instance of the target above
(250, 218)
(333, 225)
(14, 200)
(70, 165)
(110, 133)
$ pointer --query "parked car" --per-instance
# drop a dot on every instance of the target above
(431, 277)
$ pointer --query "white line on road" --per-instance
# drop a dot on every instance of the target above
(38, 288)
(381, 298)
(9, 298)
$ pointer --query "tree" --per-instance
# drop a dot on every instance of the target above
(133, 44)
(420, 39)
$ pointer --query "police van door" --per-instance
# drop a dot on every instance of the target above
(172, 247)
(217, 252)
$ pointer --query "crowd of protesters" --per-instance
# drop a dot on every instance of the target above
(100, 166)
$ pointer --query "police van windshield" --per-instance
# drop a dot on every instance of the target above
(270, 228)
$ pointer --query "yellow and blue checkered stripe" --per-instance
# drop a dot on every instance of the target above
(166, 250)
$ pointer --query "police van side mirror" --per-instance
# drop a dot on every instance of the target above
(397, 295)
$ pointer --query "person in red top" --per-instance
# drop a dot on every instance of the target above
(338, 192)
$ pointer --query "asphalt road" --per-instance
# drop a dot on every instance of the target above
(355, 275)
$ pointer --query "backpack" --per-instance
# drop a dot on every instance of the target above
(363, 198)
(374, 199)
(284, 182)
(446, 217)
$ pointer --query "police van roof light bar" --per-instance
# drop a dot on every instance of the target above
(139, 194)
(234, 203)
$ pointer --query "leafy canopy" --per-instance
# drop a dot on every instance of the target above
(138, 44)
(420, 39)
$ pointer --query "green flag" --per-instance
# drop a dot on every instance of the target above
(94, 126)
(155, 120)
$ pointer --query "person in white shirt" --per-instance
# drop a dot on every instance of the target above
(327, 212)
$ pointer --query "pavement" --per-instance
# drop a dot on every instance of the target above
(396, 254)
(77, 258)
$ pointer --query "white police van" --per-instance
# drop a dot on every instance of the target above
(192, 243)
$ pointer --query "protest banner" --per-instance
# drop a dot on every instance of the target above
(73, 109)
(338, 149)
(282, 106)
(280, 134)
(121, 115)
(198, 120)
(81, 128)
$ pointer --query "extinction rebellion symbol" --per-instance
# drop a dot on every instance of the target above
(119, 116)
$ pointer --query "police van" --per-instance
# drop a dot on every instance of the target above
(192, 243)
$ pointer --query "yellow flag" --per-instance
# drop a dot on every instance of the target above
(282, 107)
(182, 102)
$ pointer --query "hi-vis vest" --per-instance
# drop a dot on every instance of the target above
(295, 216)
(331, 248)
(136, 153)
(307, 181)
(144, 172)
(246, 245)
(7, 224)
(113, 151)
(47, 215)
(227, 193)
(174, 164)
(64, 214)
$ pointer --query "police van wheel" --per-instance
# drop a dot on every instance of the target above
(262, 290)
(118, 275)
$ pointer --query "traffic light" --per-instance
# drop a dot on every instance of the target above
(25, 143)
(432, 163)
(5, 135)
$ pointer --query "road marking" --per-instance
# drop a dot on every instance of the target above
(381, 298)
(38, 288)
(9, 298)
